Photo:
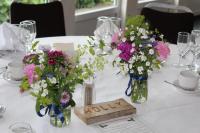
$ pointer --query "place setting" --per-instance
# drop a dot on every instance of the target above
(187, 82)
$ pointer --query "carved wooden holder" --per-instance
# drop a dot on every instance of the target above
(104, 111)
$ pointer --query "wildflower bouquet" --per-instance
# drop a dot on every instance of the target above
(52, 77)
(140, 51)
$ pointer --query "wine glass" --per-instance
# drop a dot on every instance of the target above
(182, 44)
(28, 33)
(195, 42)
(101, 20)
(21, 127)
(116, 21)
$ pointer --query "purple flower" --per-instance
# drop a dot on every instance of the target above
(126, 49)
(65, 97)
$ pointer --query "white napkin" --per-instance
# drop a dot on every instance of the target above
(10, 37)
(106, 30)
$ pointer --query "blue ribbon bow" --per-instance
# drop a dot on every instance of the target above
(133, 77)
(55, 109)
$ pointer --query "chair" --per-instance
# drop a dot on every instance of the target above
(49, 17)
(169, 23)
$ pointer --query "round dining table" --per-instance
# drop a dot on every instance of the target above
(168, 109)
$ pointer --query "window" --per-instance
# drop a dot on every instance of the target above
(88, 5)
(4, 7)
(32, 1)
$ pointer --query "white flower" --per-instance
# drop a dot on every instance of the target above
(149, 45)
(147, 63)
(140, 73)
(143, 58)
(142, 30)
(126, 67)
(151, 51)
(152, 39)
(132, 38)
(130, 65)
(126, 28)
(142, 53)
(41, 59)
(43, 84)
(53, 80)
(131, 71)
(140, 45)
(140, 69)
(44, 93)
(124, 39)
(144, 37)
(36, 86)
(35, 91)
(132, 60)
(161, 36)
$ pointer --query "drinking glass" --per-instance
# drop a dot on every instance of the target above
(182, 44)
(28, 33)
(101, 20)
(116, 21)
(16, 31)
(195, 42)
(21, 127)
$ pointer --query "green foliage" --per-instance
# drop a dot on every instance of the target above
(4, 10)
(90, 3)
(32, 1)
(94, 61)
(137, 21)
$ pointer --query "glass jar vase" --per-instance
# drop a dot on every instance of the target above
(55, 119)
(139, 91)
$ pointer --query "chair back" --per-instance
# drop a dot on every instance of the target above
(49, 17)
(169, 23)
(176, 8)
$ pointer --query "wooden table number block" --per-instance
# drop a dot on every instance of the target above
(104, 111)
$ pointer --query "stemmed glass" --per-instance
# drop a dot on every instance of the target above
(183, 41)
(195, 42)
(28, 33)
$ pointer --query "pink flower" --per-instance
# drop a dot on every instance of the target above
(29, 71)
(65, 97)
(126, 49)
(163, 50)
(115, 37)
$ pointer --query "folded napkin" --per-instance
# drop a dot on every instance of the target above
(106, 30)
(10, 37)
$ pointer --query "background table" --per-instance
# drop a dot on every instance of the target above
(168, 110)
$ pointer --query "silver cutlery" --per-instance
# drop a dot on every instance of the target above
(174, 84)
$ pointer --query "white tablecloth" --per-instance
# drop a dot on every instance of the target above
(168, 110)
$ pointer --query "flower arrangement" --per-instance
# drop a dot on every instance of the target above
(140, 51)
(52, 77)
